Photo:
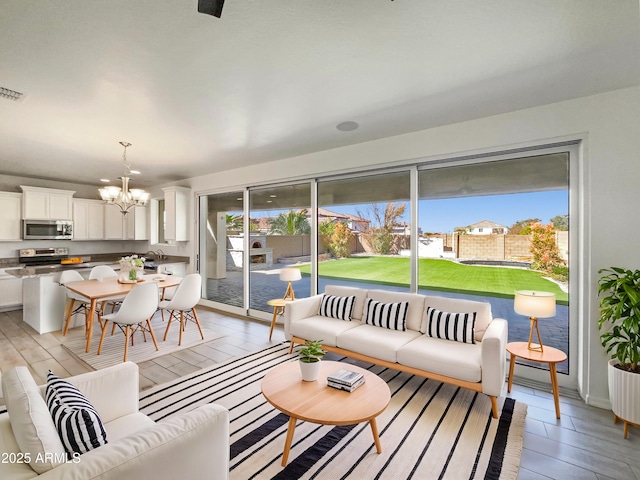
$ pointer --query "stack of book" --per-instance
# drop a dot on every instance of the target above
(345, 380)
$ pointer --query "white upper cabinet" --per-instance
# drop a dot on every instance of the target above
(113, 223)
(46, 203)
(10, 216)
(176, 208)
(88, 219)
(132, 226)
(137, 226)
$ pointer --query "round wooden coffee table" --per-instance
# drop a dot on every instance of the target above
(316, 402)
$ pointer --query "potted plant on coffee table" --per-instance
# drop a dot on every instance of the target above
(619, 325)
(310, 355)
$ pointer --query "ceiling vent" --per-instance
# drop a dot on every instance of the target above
(10, 94)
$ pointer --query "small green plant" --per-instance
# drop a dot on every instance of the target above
(312, 351)
(620, 315)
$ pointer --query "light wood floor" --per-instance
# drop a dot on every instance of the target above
(583, 445)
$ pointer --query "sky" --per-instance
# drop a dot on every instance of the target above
(442, 216)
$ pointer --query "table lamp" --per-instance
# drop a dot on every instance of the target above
(290, 275)
(535, 305)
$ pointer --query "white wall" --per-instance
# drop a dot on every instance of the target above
(609, 172)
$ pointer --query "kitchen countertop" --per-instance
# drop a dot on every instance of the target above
(90, 261)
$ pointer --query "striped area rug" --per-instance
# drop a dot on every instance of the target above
(429, 430)
(113, 346)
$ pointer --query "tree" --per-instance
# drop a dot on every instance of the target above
(561, 222)
(234, 222)
(523, 227)
(326, 227)
(544, 249)
(290, 223)
(381, 223)
(340, 246)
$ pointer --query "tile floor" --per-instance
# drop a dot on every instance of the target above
(583, 444)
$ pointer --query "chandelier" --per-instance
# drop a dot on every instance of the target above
(124, 197)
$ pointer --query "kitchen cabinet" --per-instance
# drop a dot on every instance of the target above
(137, 226)
(46, 203)
(176, 208)
(10, 216)
(44, 301)
(88, 219)
(11, 288)
(132, 226)
(113, 223)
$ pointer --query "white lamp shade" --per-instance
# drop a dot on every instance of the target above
(290, 274)
(535, 304)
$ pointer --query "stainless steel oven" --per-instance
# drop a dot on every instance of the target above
(47, 230)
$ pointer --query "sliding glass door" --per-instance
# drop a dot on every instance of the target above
(494, 227)
(222, 248)
(364, 231)
(279, 233)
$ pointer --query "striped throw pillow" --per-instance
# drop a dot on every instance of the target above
(387, 315)
(337, 307)
(451, 326)
(77, 421)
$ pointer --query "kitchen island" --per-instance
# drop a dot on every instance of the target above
(43, 298)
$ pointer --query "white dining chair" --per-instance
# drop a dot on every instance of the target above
(100, 272)
(182, 305)
(134, 314)
(73, 297)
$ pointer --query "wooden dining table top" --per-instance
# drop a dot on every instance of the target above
(107, 287)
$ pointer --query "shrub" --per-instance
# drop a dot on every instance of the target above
(340, 241)
(544, 249)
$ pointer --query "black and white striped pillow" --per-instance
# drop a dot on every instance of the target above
(77, 421)
(451, 326)
(387, 315)
(337, 307)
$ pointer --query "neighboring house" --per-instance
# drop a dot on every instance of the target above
(402, 228)
(355, 223)
(485, 227)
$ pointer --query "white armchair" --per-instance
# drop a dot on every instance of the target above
(192, 445)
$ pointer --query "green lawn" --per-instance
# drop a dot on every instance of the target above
(441, 275)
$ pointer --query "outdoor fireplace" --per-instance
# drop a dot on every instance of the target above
(259, 255)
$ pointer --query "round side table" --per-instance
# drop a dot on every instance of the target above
(278, 305)
(549, 355)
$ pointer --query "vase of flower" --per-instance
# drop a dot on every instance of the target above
(131, 269)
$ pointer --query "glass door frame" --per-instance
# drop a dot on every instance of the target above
(578, 332)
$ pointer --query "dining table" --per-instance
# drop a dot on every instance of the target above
(95, 290)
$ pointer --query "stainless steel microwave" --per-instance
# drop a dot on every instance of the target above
(47, 230)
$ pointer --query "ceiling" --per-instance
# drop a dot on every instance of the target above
(271, 79)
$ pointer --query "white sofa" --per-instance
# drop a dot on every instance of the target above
(479, 366)
(193, 445)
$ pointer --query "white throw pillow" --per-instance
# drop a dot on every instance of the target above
(386, 315)
(334, 306)
(77, 422)
(458, 327)
(31, 422)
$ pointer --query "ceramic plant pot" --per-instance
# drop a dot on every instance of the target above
(624, 394)
(309, 371)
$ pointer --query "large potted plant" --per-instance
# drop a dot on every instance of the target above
(619, 325)
(310, 355)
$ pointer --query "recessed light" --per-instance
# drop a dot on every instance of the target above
(105, 180)
(272, 196)
(347, 126)
(269, 201)
(239, 198)
(134, 172)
